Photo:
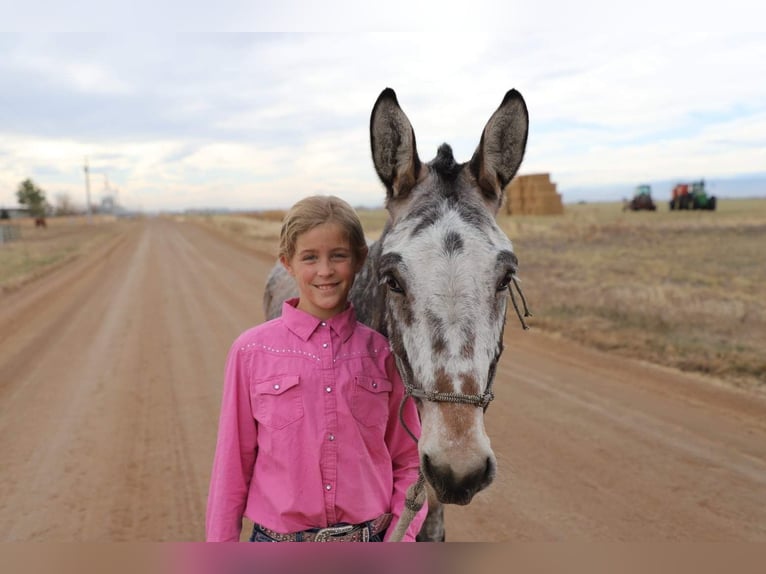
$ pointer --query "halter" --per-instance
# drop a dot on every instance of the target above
(482, 400)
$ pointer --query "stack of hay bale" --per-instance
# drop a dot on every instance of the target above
(533, 194)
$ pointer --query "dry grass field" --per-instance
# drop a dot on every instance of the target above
(682, 289)
(40, 250)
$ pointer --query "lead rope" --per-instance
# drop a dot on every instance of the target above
(416, 493)
(416, 497)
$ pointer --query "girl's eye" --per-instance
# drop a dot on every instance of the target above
(308, 258)
(505, 281)
(340, 256)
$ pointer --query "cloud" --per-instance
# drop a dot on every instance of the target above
(615, 94)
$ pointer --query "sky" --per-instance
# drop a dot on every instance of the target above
(253, 105)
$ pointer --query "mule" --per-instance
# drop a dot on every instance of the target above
(437, 284)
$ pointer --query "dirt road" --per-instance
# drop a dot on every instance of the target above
(110, 380)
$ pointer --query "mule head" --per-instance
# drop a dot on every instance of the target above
(446, 267)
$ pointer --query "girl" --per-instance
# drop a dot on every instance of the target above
(310, 446)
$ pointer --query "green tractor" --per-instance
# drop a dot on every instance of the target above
(642, 199)
(692, 196)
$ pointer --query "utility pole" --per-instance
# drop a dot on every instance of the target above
(107, 199)
(87, 189)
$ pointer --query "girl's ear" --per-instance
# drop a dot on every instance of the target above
(286, 264)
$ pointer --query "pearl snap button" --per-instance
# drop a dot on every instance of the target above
(331, 437)
(374, 385)
(324, 345)
(323, 324)
(328, 486)
(328, 389)
(276, 387)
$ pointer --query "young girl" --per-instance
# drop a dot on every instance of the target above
(310, 446)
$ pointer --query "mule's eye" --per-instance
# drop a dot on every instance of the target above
(392, 284)
(505, 281)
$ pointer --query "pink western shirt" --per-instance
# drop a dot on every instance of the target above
(309, 433)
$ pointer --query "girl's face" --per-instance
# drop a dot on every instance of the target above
(324, 268)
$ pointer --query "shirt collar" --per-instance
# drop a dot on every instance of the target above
(304, 324)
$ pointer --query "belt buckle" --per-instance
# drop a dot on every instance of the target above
(324, 534)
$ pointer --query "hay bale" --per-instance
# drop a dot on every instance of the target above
(533, 194)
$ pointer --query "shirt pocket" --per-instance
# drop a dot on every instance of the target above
(369, 400)
(277, 402)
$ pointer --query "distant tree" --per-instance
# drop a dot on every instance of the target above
(33, 197)
(64, 205)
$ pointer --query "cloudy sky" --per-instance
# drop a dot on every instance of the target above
(250, 107)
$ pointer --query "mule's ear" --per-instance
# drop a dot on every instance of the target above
(393, 146)
(501, 148)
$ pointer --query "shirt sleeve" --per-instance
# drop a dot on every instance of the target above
(234, 454)
(404, 452)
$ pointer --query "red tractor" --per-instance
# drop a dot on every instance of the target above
(692, 196)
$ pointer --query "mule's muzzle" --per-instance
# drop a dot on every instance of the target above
(451, 489)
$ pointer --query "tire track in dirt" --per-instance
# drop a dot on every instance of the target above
(61, 294)
(53, 409)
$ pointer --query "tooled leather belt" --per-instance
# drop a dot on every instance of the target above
(342, 533)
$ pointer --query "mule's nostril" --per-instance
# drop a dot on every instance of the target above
(489, 470)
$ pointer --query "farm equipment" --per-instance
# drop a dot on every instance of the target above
(642, 199)
(692, 196)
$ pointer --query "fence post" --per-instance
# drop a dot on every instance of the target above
(9, 232)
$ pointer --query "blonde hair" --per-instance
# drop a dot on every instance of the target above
(315, 210)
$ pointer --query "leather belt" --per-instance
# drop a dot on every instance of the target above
(341, 533)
